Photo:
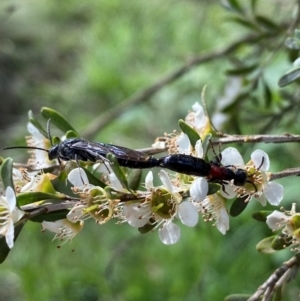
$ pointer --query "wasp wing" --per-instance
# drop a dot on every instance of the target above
(99, 149)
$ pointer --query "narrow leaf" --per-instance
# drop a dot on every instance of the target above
(289, 77)
(6, 173)
(238, 206)
(31, 197)
(261, 216)
(265, 245)
(134, 178)
(117, 170)
(92, 179)
(50, 216)
(189, 131)
(242, 70)
(280, 242)
(71, 134)
(57, 119)
(266, 23)
(37, 124)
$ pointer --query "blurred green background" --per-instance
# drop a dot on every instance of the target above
(84, 58)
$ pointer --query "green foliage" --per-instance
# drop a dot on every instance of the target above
(83, 58)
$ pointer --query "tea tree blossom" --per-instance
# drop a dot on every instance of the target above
(64, 229)
(258, 184)
(37, 139)
(163, 204)
(9, 214)
(289, 224)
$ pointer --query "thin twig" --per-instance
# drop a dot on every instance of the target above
(256, 138)
(270, 283)
(285, 173)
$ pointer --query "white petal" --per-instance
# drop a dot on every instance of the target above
(262, 199)
(164, 177)
(223, 221)
(16, 214)
(200, 118)
(183, 144)
(169, 234)
(199, 190)
(53, 226)
(199, 149)
(197, 108)
(275, 219)
(229, 192)
(159, 144)
(274, 193)
(136, 215)
(78, 177)
(76, 213)
(115, 182)
(261, 159)
(11, 198)
(231, 156)
(149, 180)
(34, 131)
(188, 214)
(10, 235)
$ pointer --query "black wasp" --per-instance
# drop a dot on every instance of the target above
(84, 150)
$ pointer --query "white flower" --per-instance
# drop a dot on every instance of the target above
(37, 139)
(197, 118)
(65, 230)
(9, 214)
(257, 176)
(289, 222)
(163, 205)
(277, 220)
(184, 146)
(213, 209)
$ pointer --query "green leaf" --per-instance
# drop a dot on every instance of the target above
(71, 134)
(37, 124)
(6, 173)
(267, 93)
(117, 170)
(238, 206)
(32, 197)
(242, 70)
(134, 178)
(292, 43)
(246, 23)
(233, 5)
(253, 6)
(148, 227)
(213, 188)
(265, 245)
(289, 77)
(92, 179)
(281, 242)
(50, 216)
(57, 119)
(237, 297)
(189, 131)
(4, 249)
(206, 144)
(266, 23)
(261, 216)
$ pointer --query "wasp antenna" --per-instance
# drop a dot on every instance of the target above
(48, 131)
(27, 147)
